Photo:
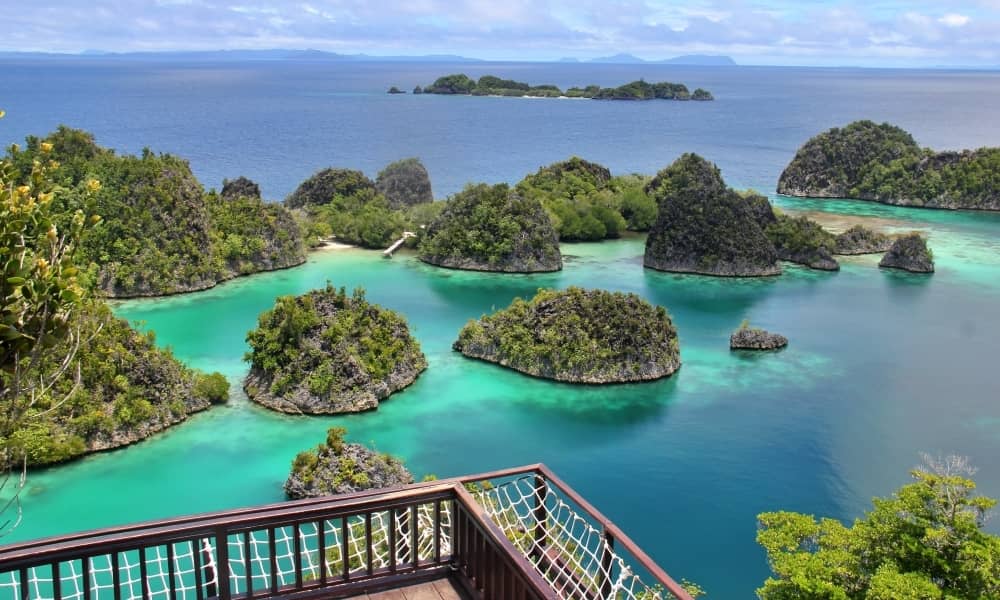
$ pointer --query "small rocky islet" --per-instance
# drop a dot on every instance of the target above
(909, 253)
(339, 467)
(753, 338)
(577, 335)
(861, 240)
(883, 163)
(328, 352)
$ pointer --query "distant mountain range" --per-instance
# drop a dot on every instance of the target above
(320, 55)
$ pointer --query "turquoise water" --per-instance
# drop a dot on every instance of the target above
(881, 366)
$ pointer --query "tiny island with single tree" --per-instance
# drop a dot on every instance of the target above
(579, 336)
(338, 467)
(883, 163)
(327, 352)
(490, 85)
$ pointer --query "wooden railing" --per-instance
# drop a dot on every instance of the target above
(331, 548)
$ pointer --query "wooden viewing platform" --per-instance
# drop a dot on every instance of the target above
(519, 534)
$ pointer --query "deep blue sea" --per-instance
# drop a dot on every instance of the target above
(881, 365)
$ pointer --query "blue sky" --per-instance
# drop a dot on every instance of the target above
(823, 32)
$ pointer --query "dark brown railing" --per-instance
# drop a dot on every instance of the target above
(496, 536)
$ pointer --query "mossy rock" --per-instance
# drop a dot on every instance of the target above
(337, 467)
(909, 253)
(405, 183)
(803, 241)
(324, 185)
(491, 228)
(577, 335)
(704, 227)
(862, 240)
(241, 187)
(328, 352)
(753, 338)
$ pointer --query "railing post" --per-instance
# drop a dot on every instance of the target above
(541, 515)
(607, 547)
(211, 569)
(222, 563)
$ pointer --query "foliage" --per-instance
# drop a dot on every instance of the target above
(248, 235)
(577, 335)
(325, 185)
(404, 183)
(491, 228)
(704, 227)
(364, 219)
(123, 389)
(883, 163)
(801, 240)
(579, 198)
(157, 235)
(490, 85)
(336, 467)
(924, 542)
(330, 342)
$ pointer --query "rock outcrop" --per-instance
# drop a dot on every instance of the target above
(910, 253)
(239, 187)
(322, 186)
(705, 227)
(326, 352)
(405, 183)
(576, 335)
(337, 467)
(751, 338)
(862, 240)
(491, 228)
(883, 163)
(802, 241)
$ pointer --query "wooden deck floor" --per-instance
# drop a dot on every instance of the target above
(440, 589)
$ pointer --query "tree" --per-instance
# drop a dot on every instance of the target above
(925, 542)
(40, 291)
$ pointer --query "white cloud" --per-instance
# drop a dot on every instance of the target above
(954, 20)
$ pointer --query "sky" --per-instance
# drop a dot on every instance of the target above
(782, 32)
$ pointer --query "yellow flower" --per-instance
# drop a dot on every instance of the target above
(93, 185)
(23, 190)
(52, 234)
(42, 265)
(46, 147)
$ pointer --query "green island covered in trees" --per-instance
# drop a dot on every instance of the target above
(577, 335)
(492, 228)
(490, 85)
(909, 253)
(338, 467)
(161, 233)
(327, 352)
(704, 227)
(347, 206)
(73, 378)
(883, 163)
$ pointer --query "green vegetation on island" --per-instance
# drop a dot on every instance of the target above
(327, 352)
(492, 228)
(909, 253)
(160, 232)
(883, 163)
(704, 227)
(862, 240)
(577, 335)
(926, 542)
(338, 467)
(490, 85)
(348, 206)
(803, 241)
(754, 338)
(586, 203)
(73, 379)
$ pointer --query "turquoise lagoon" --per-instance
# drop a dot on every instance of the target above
(882, 365)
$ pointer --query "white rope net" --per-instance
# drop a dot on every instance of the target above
(571, 555)
(186, 566)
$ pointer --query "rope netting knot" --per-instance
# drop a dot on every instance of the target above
(569, 551)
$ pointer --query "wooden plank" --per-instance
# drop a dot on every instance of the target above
(424, 591)
(396, 594)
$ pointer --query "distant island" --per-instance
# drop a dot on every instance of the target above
(702, 60)
(883, 163)
(490, 85)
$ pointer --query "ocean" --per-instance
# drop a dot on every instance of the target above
(881, 365)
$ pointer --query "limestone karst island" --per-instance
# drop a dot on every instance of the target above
(499, 301)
